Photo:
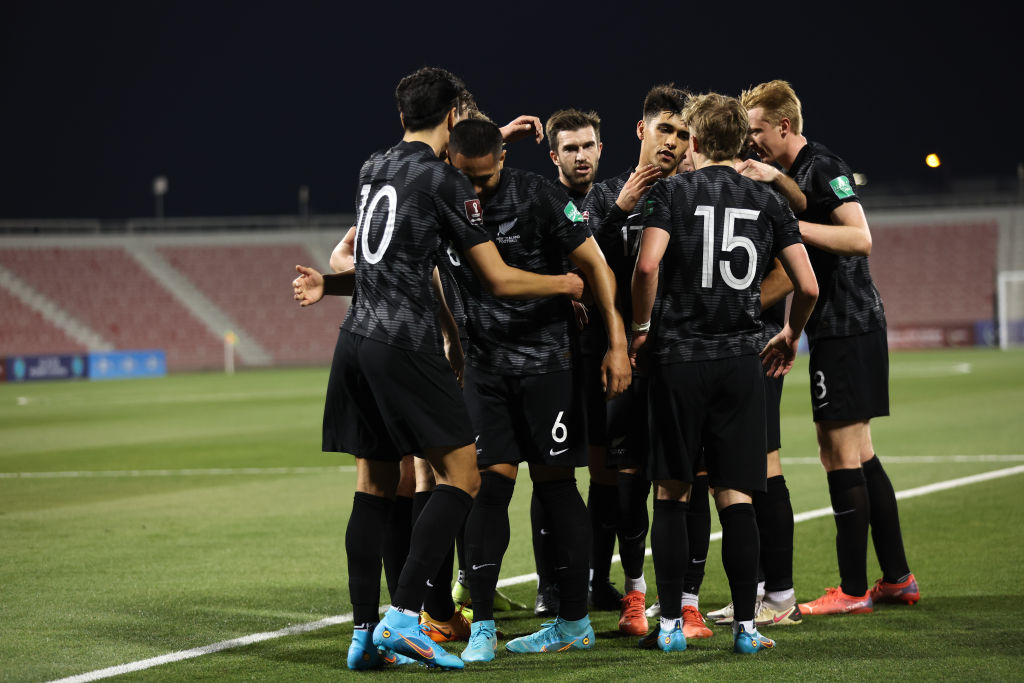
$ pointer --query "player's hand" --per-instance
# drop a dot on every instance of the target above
(616, 372)
(757, 170)
(638, 350)
(308, 286)
(636, 187)
(574, 286)
(522, 127)
(581, 314)
(778, 354)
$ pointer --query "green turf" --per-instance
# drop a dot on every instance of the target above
(103, 570)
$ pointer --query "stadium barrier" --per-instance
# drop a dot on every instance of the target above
(100, 365)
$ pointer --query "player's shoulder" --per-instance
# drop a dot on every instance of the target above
(828, 168)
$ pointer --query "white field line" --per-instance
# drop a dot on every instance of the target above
(220, 471)
(512, 580)
(215, 471)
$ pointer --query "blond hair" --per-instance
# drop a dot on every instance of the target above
(778, 101)
(719, 123)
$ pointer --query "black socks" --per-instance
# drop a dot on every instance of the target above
(851, 509)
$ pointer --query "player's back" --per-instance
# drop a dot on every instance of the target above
(724, 230)
(848, 302)
(409, 202)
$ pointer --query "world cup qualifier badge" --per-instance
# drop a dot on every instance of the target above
(474, 212)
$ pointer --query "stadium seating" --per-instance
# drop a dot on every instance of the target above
(108, 291)
(250, 284)
(23, 330)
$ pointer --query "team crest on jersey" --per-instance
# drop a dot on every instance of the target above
(474, 212)
(573, 214)
(841, 186)
(505, 234)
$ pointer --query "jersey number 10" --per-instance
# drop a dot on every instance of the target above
(366, 213)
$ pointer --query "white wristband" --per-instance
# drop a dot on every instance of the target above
(641, 327)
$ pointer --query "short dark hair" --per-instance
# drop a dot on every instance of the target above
(571, 119)
(719, 123)
(474, 138)
(426, 96)
(664, 98)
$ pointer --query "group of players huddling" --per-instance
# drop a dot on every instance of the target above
(637, 326)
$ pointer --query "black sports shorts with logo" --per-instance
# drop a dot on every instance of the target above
(384, 402)
(850, 377)
(717, 405)
(629, 442)
(534, 418)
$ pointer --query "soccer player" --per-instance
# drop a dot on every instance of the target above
(574, 138)
(618, 431)
(391, 391)
(776, 599)
(849, 362)
(520, 389)
(711, 233)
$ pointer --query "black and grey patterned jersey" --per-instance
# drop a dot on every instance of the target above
(618, 234)
(409, 203)
(848, 302)
(535, 228)
(724, 230)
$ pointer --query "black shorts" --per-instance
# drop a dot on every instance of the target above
(535, 418)
(629, 437)
(772, 411)
(850, 377)
(594, 399)
(714, 405)
(384, 402)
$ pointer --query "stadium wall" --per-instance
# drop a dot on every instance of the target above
(86, 291)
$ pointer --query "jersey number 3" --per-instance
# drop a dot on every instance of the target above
(365, 218)
(730, 241)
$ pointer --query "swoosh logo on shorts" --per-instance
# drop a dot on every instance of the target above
(554, 452)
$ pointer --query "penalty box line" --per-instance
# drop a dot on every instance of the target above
(513, 580)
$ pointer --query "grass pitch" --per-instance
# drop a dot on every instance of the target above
(146, 517)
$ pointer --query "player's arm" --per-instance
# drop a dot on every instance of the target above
(779, 353)
(848, 235)
(449, 330)
(783, 184)
(343, 256)
(521, 127)
(775, 286)
(512, 283)
(653, 243)
(310, 286)
(615, 369)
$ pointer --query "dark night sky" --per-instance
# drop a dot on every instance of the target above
(240, 103)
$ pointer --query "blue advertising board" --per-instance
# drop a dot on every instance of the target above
(50, 366)
(127, 364)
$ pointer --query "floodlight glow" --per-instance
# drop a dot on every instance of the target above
(932, 160)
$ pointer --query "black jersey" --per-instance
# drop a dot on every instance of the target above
(535, 227)
(848, 303)
(409, 203)
(724, 230)
(618, 234)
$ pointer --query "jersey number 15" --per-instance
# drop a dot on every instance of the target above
(730, 241)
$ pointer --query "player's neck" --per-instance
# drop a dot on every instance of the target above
(574, 188)
(436, 138)
(793, 147)
(701, 161)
